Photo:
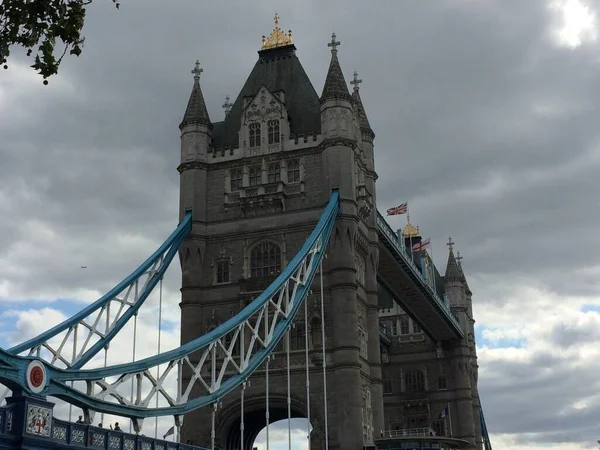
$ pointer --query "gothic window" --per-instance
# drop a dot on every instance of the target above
(293, 171)
(254, 134)
(414, 381)
(273, 126)
(442, 382)
(298, 337)
(236, 181)
(265, 260)
(274, 173)
(223, 271)
(315, 333)
(403, 325)
(416, 328)
(254, 176)
(388, 386)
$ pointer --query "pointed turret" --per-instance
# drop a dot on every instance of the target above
(363, 121)
(453, 272)
(464, 278)
(196, 111)
(335, 86)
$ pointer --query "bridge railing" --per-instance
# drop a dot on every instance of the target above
(392, 237)
(410, 432)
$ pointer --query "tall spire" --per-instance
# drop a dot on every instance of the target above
(459, 262)
(453, 272)
(196, 111)
(363, 122)
(335, 85)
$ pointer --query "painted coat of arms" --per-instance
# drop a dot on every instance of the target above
(38, 420)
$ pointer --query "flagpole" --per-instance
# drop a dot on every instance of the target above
(449, 420)
(410, 235)
(432, 265)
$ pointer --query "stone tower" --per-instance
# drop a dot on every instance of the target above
(429, 386)
(256, 184)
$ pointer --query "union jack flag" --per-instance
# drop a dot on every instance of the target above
(396, 210)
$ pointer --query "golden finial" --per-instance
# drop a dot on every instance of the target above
(277, 38)
(410, 230)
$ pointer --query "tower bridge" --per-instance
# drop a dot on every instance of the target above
(297, 297)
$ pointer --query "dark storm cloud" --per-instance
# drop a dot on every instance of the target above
(486, 127)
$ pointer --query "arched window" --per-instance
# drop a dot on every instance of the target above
(265, 260)
(273, 134)
(293, 171)
(414, 381)
(254, 134)
(298, 337)
(315, 332)
(254, 176)
(237, 180)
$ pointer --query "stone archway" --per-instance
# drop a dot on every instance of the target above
(254, 419)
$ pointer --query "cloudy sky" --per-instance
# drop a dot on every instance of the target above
(487, 124)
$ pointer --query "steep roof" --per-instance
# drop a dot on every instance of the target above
(453, 272)
(196, 111)
(277, 69)
(335, 86)
(363, 121)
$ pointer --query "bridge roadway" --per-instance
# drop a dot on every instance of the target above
(403, 281)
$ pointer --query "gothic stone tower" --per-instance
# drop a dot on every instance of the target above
(422, 377)
(256, 184)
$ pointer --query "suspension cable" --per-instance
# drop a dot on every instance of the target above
(267, 375)
(307, 371)
(242, 417)
(74, 356)
(179, 384)
(106, 349)
(160, 292)
(135, 316)
(324, 358)
(289, 387)
(212, 431)
(242, 341)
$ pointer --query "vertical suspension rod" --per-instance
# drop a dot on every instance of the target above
(158, 352)
(324, 359)
(267, 341)
(75, 328)
(289, 386)
(133, 357)
(307, 371)
(106, 348)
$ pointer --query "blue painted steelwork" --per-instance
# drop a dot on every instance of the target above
(390, 239)
(171, 245)
(487, 444)
(298, 270)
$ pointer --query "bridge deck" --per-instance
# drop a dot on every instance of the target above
(16, 433)
(405, 283)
